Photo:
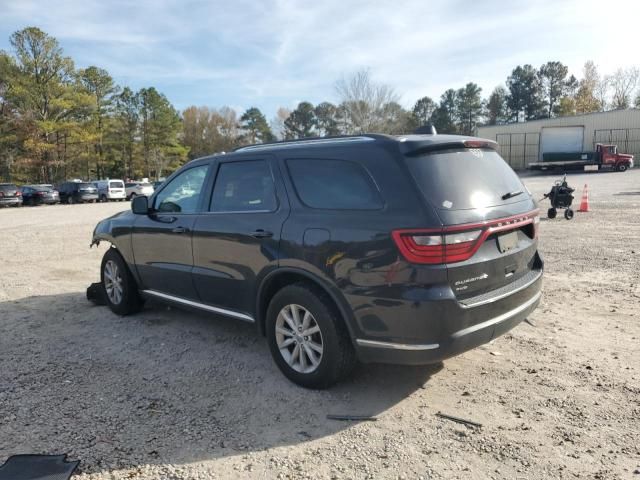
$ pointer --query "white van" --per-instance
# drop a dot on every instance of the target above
(112, 189)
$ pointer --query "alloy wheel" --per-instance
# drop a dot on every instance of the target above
(113, 282)
(299, 338)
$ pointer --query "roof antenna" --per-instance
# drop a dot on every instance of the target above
(426, 129)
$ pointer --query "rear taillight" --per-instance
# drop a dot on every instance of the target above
(455, 243)
(18, 194)
(1, 194)
(536, 225)
(420, 247)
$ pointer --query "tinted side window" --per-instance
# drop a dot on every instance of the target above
(244, 187)
(334, 184)
(182, 194)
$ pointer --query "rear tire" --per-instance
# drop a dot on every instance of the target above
(568, 214)
(325, 354)
(120, 288)
(552, 212)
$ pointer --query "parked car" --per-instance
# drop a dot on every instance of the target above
(157, 184)
(111, 190)
(10, 195)
(385, 249)
(77, 192)
(133, 189)
(39, 194)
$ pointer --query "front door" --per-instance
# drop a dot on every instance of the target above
(237, 239)
(162, 240)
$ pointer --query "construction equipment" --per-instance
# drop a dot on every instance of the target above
(604, 157)
(560, 196)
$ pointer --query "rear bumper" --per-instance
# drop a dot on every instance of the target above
(87, 197)
(10, 201)
(445, 328)
(115, 195)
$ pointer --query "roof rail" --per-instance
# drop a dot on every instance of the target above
(307, 142)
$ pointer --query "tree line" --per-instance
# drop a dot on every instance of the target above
(58, 121)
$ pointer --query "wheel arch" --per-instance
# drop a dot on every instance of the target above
(284, 276)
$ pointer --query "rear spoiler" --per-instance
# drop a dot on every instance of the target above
(417, 147)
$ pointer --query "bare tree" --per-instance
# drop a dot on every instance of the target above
(277, 123)
(601, 92)
(623, 83)
(364, 102)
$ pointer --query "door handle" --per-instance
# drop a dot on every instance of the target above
(180, 230)
(260, 233)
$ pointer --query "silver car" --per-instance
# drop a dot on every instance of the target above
(133, 189)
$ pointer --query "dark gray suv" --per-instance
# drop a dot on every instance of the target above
(406, 249)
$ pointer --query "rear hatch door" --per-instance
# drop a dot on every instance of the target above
(489, 219)
(8, 191)
(87, 189)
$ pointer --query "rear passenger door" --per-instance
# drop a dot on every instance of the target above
(237, 240)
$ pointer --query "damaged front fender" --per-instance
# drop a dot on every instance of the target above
(117, 231)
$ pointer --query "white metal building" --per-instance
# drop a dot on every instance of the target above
(523, 143)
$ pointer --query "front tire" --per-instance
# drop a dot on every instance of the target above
(552, 212)
(622, 168)
(307, 338)
(568, 214)
(120, 288)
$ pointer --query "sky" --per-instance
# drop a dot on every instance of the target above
(272, 53)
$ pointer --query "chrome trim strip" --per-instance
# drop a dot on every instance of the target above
(504, 295)
(202, 306)
(395, 346)
(499, 318)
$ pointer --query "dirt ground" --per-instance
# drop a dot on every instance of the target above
(175, 395)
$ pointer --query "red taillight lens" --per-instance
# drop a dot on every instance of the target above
(536, 226)
(18, 193)
(460, 246)
(481, 144)
(419, 247)
(456, 243)
(443, 247)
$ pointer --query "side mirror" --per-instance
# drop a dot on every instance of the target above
(140, 205)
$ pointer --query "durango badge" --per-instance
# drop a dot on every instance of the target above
(462, 284)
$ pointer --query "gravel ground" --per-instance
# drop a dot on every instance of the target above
(175, 395)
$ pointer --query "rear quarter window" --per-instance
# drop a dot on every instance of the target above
(334, 184)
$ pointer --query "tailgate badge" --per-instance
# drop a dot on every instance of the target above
(463, 284)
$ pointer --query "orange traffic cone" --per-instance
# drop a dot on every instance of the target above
(584, 203)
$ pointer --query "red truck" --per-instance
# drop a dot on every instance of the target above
(604, 157)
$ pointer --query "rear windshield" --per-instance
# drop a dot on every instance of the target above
(116, 184)
(466, 179)
(8, 187)
(85, 186)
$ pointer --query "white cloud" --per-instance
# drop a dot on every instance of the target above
(270, 52)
